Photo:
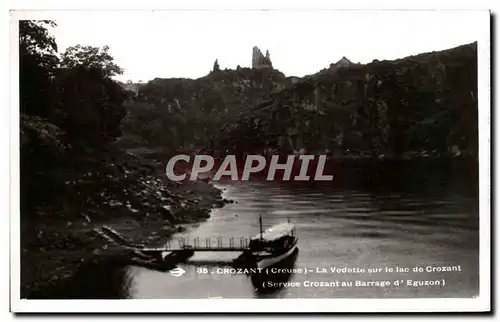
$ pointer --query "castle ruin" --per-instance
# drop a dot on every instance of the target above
(259, 60)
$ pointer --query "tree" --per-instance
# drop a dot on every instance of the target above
(216, 66)
(91, 57)
(35, 40)
(40, 148)
(91, 105)
(38, 63)
(89, 100)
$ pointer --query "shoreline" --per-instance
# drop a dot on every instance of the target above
(54, 246)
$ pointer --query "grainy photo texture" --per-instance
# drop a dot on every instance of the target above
(253, 158)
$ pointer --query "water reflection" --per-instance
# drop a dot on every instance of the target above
(392, 215)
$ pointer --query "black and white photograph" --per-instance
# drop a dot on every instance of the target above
(269, 156)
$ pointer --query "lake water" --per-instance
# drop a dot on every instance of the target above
(419, 218)
(373, 224)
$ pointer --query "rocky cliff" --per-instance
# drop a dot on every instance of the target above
(423, 105)
(172, 114)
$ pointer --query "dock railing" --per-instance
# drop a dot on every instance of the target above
(219, 243)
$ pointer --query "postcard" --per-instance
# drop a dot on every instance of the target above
(250, 161)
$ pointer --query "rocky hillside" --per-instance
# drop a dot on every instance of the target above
(423, 105)
(173, 114)
(74, 180)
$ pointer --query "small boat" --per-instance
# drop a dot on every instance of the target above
(270, 281)
(270, 246)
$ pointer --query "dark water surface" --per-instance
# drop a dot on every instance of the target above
(420, 216)
(400, 218)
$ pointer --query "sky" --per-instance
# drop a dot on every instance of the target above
(164, 44)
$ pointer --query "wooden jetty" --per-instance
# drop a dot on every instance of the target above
(197, 244)
(268, 247)
(173, 253)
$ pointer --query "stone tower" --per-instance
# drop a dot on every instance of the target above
(259, 60)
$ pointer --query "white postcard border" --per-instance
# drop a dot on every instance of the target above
(480, 303)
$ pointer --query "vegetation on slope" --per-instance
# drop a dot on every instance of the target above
(173, 114)
(420, 105)
(73, 177)
(423, 105)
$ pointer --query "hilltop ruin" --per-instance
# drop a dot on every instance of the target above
(259, 60)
